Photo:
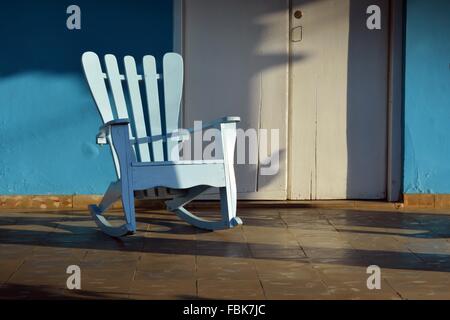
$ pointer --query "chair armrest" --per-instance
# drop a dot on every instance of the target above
(176, 135)
(104, 130)
(116, 122)
(216, 123)
(180, 135)
(183, 134)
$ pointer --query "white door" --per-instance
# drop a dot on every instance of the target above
(236, 61)
(338, 110)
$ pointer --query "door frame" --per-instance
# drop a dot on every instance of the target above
(395, 100)
(396, 25)
(178, 26)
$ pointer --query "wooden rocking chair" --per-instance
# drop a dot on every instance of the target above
(147, 161)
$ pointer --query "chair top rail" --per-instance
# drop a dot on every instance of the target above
(139, 76)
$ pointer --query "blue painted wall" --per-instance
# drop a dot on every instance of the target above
(427, 97)
(48, 120)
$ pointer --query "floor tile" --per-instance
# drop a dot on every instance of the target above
(293, 253)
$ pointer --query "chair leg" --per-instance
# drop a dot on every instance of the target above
(106, 227)
(228, 206)
(228, 210)
(228, 193)
(128, 205)
(191, 194)
(115, 191)
(124, 187)
(113, 194)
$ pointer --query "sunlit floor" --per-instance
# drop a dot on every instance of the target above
(276, 254)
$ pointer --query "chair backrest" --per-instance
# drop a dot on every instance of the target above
(115, 100)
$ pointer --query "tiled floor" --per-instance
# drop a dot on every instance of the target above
(276, 254)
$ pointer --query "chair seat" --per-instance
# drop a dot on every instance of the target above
(178, 174)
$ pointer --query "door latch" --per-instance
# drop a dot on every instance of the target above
(297, 34)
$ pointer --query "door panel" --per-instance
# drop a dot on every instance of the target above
(236, 60)
(338, 111)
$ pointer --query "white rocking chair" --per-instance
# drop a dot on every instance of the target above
(147, 161)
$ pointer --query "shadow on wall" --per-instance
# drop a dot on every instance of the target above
(245, 74)
(240, 79)
(48, 120)
(367, 89)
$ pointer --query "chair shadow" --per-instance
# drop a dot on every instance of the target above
(80, 236)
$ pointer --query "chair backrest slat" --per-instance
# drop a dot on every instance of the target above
(163, 118)
(96, 80)
(115, 82)
(154, 111)
(136, 106)
(173, 89)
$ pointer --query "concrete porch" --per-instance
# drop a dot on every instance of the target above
(279, 253)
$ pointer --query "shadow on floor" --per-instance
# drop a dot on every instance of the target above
(15, 291)
(76, 231)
